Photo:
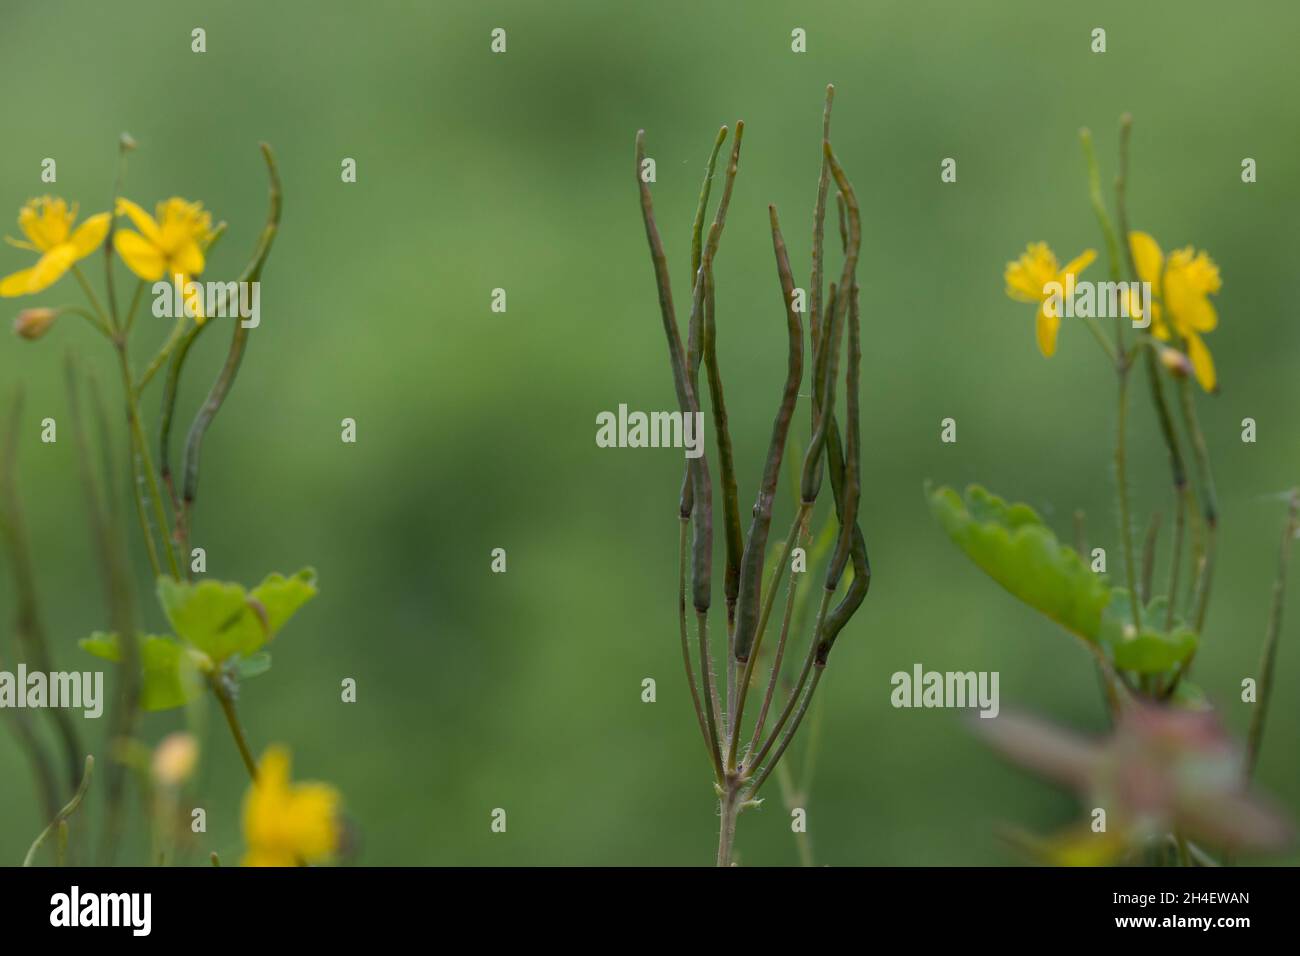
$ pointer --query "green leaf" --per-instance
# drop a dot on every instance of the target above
(253, 666)
(102, 645)
(169, 675)
(1152, 650)
(1010, 543)
(281, 596)
(224, 620)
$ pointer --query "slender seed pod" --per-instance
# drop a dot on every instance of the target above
(819, 230)
(751, 567)
(702, 544)
(693, 335)
(221, 387)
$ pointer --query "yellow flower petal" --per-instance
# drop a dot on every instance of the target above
(90, 235)
(1202, 363)
(1147, 257)
(286, 824)
(16, 284)
(1047, 326)
(51, 267)
(188, 258)
(1079, 263)
(141, 256)
(143, 221)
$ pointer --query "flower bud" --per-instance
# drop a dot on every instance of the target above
(1176, 362)
(175, 758)
(33, 323)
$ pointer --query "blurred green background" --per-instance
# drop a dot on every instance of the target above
(475, 430)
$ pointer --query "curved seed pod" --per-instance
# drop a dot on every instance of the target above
(819, 230)
(726, 458)
(839, 616)
(693, 335)
(702, 545)
(852, 239)
(826, 370)
(221, 387)
(701, 313)
(751, 566)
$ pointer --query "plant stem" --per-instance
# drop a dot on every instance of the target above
(777, 660)
(63, 814)
(1268, 656)
(686, 651)
(729, 808)
(227, 702)
(1121, 481)
(1205, 479)
(711, 693)
(144, 463)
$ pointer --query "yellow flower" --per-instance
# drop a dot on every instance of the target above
(1184, 281)
(1028, 277)
(171, 245)
(288, 824)
(47, 223)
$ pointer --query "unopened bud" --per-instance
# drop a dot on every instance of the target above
(175, 758)
(33, 323)
(1176, 362)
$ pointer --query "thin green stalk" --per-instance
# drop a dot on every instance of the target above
(164, 353)
(777, 660)
(1268, 656)
(222, 693)
(686, 649)
(1180, 519)
(29, 625)
(63, 814)
(144, 462)
(135, 307)
(707, 676)
(791, 730)
(753, 655)
(1205, 481)
(1149, 556)
(797, 690)
(792, 799)
(124, 145)
(1121, 481)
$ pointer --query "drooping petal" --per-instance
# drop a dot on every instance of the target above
(1202, 362)
(1079, 263)
(1201, 315)
(16, 284)
(89, 236)
(1046, 327)
(1147, 257)
(141, 256)
(51, 267)
(143, 221)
